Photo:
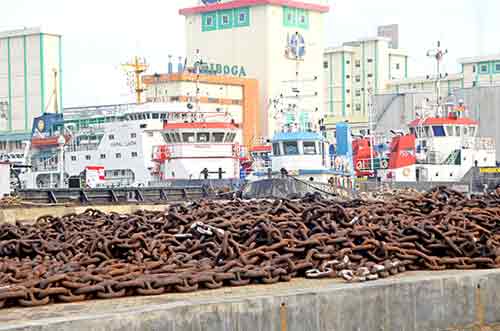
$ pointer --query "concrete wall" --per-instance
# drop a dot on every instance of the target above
(483, 104)
(425, 301)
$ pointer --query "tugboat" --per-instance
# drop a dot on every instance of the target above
(302, 159)
(441, 147)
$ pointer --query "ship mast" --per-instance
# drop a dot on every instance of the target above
(138, 67)
(438, 54)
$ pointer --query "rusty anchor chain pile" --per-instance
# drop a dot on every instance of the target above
(210, 244)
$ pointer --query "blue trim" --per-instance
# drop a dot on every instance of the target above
(293, 136)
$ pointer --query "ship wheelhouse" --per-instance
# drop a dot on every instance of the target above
(299, 152)
(207, 150)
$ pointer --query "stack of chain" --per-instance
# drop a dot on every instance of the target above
(213, 244)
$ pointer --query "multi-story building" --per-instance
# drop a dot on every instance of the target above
(218, 98)
(481, 70)
(354, 72)
(30, 82)
(278, 42)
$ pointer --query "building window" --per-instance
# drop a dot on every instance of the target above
(347, 91)
(133, 135)
(347, 62)
(358, 78)
(325, 64)
(209, 21)
(225, 19)
(348, 106)
(242, 17)
(397, 66)
(103, 156)
(293, 17)
(357, 63)
(73, 158)
(358, 92)
(358, 107)
(484, 68)
(118, 155)
(496, 67)
(87, 157)
(474, 68)
(134, 154)
(370, 60)
(111, 137)
(347, 76)
(370, 75)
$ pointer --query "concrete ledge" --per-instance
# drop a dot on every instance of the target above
(420, 301)
(11, 215)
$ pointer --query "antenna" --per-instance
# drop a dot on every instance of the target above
(137, 67)
(438, 54)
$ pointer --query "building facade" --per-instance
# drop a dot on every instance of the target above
(220, 98)
(481, 70)
(30, 77)
(356, 71)
(278, 42)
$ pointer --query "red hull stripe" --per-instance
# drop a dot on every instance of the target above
(200, 125)
(249, 3)
(443, 121)
(94, 168)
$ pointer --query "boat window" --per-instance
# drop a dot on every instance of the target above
(168, 139)
(438, 131)
(457, 131)
(412, 131)
(276, 149)
(427, 131)
(449, 131)
(148, 115)
(309, 147)
(290, 148)
(176, 137)
(163, 116)
(156, 116)
(230, 137)
(472, 131)
(217, 137)
(202, 137)
(465, 131)
(188, 137)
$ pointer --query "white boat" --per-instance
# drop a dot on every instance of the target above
(124, 144)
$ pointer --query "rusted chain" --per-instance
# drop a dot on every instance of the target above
(209, 244)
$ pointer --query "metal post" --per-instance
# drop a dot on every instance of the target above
(61, 141)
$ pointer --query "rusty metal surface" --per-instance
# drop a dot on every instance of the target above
(213, 244)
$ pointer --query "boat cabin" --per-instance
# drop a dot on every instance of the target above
(199, 150)
(299, 151)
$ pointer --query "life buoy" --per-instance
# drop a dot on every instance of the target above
(406, 172)
(384, 164)
(359, 165)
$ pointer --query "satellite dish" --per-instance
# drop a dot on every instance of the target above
(190, 106)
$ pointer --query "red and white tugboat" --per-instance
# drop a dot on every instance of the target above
(442, 144)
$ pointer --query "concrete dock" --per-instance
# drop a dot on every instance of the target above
(420, 301)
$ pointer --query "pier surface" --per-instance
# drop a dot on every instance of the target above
(423, 301)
